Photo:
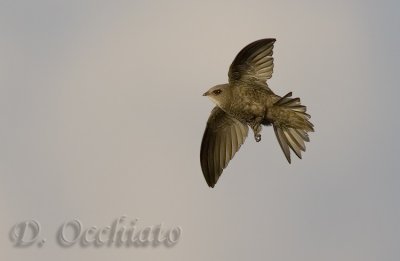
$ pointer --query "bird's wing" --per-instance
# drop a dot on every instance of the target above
(222, 138)
(254, 63)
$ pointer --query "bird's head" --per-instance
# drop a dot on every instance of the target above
(219, 94)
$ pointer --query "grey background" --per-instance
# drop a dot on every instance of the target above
(101, 115)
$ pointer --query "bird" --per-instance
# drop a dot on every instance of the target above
(247, 101)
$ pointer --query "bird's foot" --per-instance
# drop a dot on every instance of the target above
(257, 137)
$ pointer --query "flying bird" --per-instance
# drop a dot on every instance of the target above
(247, 101)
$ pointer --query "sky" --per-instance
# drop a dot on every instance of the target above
(102, 115)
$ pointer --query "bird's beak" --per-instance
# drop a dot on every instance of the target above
(205, 94)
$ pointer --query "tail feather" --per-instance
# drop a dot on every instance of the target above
(298, 139)
(294, 144)
(283, 142)
(291, 125)
(303, 134)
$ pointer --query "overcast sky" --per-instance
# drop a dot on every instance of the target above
(101, 115)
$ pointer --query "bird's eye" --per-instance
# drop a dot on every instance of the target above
(217, 92)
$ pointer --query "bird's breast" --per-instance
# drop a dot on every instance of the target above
(246, 109)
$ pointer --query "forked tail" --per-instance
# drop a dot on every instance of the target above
(291, 124)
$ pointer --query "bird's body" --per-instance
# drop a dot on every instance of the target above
(250, 101)
(247, 101)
